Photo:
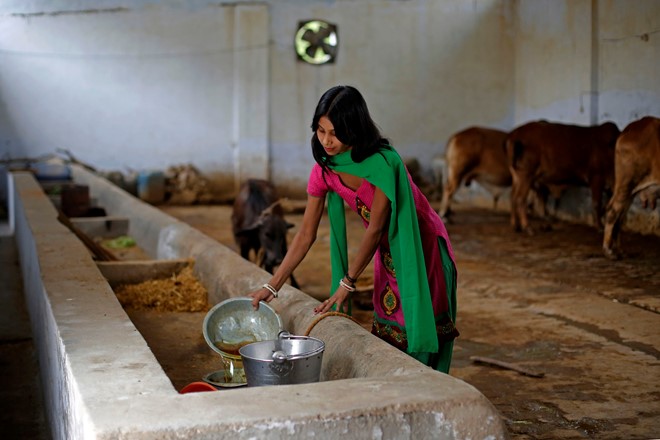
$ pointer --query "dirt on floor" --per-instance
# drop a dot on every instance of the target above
(549, 305)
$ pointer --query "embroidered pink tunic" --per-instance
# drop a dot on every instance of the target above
(388, 320)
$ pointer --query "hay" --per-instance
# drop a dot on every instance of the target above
(181, 292)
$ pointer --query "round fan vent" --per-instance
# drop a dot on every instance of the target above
(316, 42)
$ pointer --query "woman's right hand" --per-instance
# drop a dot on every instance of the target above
(262, 294)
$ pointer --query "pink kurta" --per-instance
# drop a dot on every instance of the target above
(389, 322)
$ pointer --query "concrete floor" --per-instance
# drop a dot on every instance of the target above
(550, 303)
(21, 405)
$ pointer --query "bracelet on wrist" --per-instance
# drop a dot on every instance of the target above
(343, 284)
(350, 279)
(271, 289)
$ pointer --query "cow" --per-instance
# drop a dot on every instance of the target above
(543, 154)
(479, 154)
(636, 171)
(258, 224)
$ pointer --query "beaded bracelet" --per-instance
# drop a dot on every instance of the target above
(346, 286)
(271, 289)
(349, 278)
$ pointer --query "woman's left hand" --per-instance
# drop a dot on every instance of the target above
(341, 298)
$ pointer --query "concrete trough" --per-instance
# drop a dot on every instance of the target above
(101, 380)
(132, 272)
(104, 227)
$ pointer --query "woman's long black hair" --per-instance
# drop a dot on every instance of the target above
(347, 110)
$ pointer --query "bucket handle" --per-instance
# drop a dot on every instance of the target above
(280, 356)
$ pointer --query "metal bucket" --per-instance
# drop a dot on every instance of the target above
(286, 360)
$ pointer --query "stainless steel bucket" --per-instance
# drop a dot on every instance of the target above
(286, 360)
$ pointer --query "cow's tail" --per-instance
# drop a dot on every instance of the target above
(449, 148)
(514, 149)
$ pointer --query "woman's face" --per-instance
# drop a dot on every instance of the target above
(326, 136)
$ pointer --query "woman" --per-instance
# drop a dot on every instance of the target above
(414, 273)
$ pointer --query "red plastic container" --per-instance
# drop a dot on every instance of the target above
(197, 387)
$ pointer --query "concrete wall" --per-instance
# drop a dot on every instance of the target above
(553, 61)
(587, 61)
(102, 381)
(137, 87)
(426, 69)
(628, 54)
(146, 84)
(87, 353)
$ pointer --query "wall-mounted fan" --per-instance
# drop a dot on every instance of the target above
(316, 42)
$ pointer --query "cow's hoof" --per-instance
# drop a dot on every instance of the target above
(611, 254)
(445, 218)
(529, 231)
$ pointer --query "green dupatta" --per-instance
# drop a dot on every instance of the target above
(386, 171)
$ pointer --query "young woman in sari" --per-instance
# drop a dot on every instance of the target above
(414, 294)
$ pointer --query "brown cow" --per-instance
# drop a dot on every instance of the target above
(479, 153)
(545, 153)
(476, 153)
(258, 224)
(636, 171)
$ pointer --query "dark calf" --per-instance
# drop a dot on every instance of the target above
(258, 224)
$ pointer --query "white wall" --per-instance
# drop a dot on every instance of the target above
(553, 61)
(150, 84)
(587, 61)
(426, 69)
(147, 84)
(629, 59)
(138, 87)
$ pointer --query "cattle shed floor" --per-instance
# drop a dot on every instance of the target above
(546, 304)
(549, 304)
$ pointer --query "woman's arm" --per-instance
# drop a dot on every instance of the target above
(299, 247)
(378, 222)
